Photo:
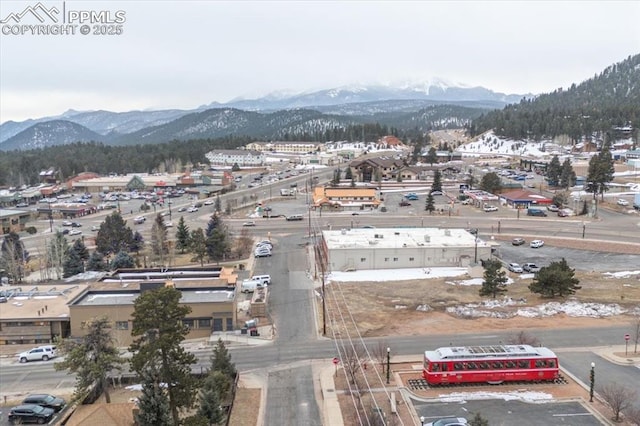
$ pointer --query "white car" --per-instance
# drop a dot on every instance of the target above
(449, 421)
(622, 202)
(41, 353)
(536, 243)
(488, 208)
(249, 223)
(192, 209)
(262, 252)
(208, 203)
(514, 267)
(139, 219)
(75, 232)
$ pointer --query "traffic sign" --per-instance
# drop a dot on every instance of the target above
(627, 337)
(336, 361)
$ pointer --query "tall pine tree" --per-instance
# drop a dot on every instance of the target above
(158, 330)
(153, 405)
(182, 235)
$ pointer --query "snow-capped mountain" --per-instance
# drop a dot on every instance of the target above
(356, 100)
(437, 90)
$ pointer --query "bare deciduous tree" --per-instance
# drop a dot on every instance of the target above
(352, 361)
(244, 243)
(523, 338)
(618, 398)
(380, 353)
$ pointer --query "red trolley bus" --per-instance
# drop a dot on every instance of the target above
(490, 364)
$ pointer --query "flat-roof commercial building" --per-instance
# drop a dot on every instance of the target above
(35, 314)
(397, 248)
(209, 292)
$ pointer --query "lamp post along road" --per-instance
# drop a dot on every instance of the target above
(388, 364)
(475, 251)
(592, 379)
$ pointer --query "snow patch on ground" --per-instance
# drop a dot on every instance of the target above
(621, 274)
(525, 396)
(572, 308)
(395, 274)
(499, 308)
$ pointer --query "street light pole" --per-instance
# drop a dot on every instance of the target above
(388, 363)
(583, 229)
(422, 420)
(592, 377)
(475, 252)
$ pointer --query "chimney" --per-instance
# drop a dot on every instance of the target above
(46, 307)
(38, 312)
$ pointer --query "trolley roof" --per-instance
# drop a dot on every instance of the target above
(481, 352)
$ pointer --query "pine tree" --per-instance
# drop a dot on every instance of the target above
(137, 243)
(430, 204)
(554, 171)
(211, 398)
(216, 239)
(495, 279)
(432, 156)
(336, 177)
(79, 247)
(72, 264)
(218, 205)
(182, 235)
(158, 330)
(437, 181)
(122, 260)
(557, 279)
(198, 245)
(96, 262)
(114, 235)
(221, 360)
(153, 404)
(491, 183)
(91, 358)
(567, 175)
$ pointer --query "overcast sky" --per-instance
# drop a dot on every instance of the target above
(183, 54)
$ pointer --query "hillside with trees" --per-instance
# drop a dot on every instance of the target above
(608, 100)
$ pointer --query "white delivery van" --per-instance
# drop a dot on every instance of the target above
(264, 279)
(249, 286)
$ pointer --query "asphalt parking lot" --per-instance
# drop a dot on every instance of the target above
(580, 260)
(509, 413)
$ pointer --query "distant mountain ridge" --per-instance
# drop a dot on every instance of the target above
(48, 133)
(353, 100)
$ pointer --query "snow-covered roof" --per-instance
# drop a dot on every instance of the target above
(399, 238)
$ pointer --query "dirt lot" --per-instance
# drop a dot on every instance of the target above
(384, 308)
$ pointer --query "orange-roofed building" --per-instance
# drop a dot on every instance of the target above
(341, 198)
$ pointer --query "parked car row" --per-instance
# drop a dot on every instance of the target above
(263, 249)
(36, 408)
(518, 241)
(526, 267)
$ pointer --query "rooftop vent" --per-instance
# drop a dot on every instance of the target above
(427, 239)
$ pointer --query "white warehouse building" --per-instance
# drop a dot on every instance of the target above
(398, 248)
